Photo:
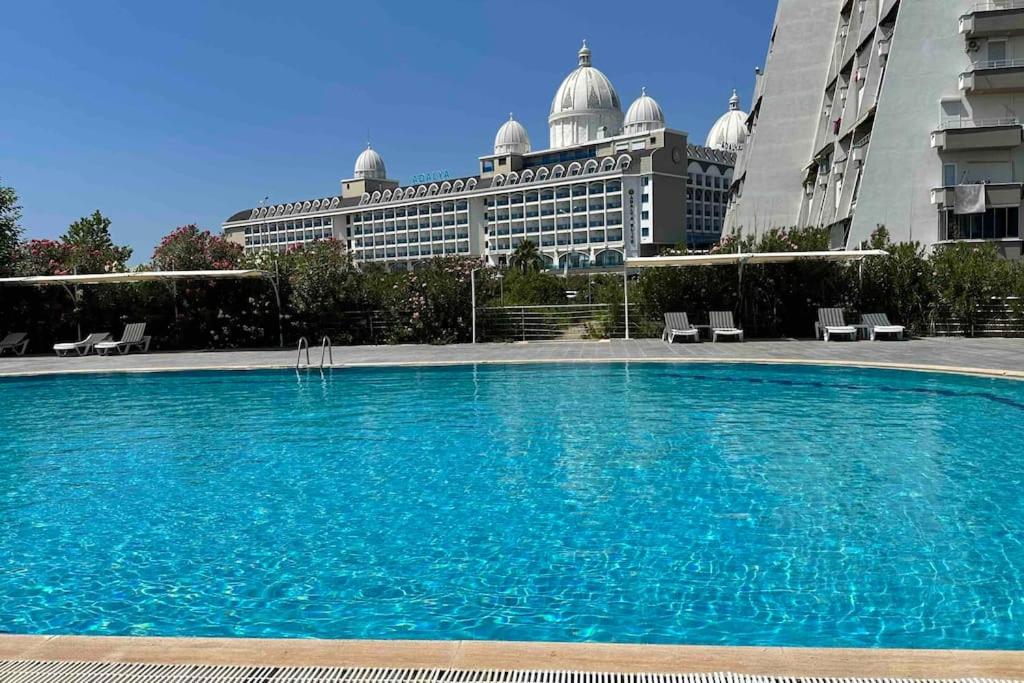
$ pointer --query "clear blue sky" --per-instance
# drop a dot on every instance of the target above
(162, 114)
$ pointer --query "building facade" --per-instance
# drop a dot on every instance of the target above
(610, 186)
(900, 113)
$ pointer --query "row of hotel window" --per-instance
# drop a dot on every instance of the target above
(415, 225)
(289, 225)
(707, 195)
(561, 192)
(286, 236)
(701, 180)
(578, 211)
(415, 210)
(579, 222)
(561, 240)
(419, 250)
(704, 224)
(412, 238)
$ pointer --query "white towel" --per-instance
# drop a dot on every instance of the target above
(969, 199)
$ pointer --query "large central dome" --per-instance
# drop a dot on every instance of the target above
(586, 106)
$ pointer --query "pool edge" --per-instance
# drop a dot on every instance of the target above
(507, 655)
(996, 373)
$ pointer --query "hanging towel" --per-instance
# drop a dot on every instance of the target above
(969, 199)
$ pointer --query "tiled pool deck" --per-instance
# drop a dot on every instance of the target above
(1001, 357)
(992, 357)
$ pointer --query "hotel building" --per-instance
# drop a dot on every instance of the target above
(902, 113)
(608, 186)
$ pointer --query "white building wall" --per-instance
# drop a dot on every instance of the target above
(925, 60)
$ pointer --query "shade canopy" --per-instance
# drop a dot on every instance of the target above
(751, 258)
(135, 276)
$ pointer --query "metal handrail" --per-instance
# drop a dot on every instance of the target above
(957, 123)
(996, 64)
(326, 348)
(996, 5)
(303, 342)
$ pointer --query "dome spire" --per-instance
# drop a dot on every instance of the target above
(584, 54)
(734, 101)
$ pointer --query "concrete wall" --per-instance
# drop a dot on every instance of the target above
(790, 111)
(925, 61)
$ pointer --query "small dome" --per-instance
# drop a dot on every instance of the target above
(730, 131)
(643, 115)
(511, 138)
(370, 165)
(584, 104)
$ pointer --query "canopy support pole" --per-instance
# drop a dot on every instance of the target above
(274, 282)
(625, 293)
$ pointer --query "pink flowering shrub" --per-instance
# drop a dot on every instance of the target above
(189, 248)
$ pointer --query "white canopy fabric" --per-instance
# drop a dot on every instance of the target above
(751, 258)
(135, 276)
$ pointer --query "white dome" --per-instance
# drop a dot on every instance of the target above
(643, 115)
(511, 138)
(730, 131)
(584, 104)
(370, 165)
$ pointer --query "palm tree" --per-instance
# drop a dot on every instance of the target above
(526, 258)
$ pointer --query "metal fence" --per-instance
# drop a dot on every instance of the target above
(569, 322)
(998, 317)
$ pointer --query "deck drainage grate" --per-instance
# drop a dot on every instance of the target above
(121, 672)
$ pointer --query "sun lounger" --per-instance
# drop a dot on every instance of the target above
(82, 348)
(830, 322)
(722, 325)
(133, 338)
(15, 342)
(878, 323)
(677, 325)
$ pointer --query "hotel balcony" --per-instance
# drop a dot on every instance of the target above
(966, 134)
(996, 195)
(994, 76)
(993, 18)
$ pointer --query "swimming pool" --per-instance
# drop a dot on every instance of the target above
(651, 503)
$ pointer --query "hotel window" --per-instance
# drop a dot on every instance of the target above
(644, 215)
(948, 175)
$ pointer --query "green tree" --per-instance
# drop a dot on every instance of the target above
(900, 285)
(526, 258)
(10, 229)
(91, 248)
(323, 284)
(967, 276)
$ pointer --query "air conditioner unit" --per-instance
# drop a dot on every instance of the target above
(973, 46)
(883, 48)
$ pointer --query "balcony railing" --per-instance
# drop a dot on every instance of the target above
(996, 5)
(998, 64)
(955, 124)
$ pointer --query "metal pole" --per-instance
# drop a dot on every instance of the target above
(625, 293)
(472, 286)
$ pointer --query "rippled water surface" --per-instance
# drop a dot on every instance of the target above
(643, 503)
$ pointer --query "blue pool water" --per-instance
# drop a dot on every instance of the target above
(649, 503)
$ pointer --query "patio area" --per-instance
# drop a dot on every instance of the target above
(992, 356)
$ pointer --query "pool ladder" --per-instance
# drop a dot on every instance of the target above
(326, 353)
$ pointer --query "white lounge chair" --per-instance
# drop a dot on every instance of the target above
(82, 348)
(15, 342)
(830, 322)
(678, 325)
(878, 323)
(133, 338)
(722, 325)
